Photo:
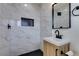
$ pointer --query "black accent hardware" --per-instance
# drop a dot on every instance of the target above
(63, 53)
(59, 13)
(56, 52)
(77, 8)
(61, 27)
(9, 26)
(58, 35)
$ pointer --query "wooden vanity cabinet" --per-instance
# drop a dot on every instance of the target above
(50, 49)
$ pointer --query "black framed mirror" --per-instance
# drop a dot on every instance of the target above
(61, 16)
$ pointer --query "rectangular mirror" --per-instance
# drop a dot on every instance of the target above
(61, 16)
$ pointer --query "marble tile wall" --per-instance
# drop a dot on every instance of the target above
(18, 40)
(45, 21)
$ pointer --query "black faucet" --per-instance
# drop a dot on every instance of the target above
(58, 35)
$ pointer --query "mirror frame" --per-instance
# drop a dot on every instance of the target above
(69, 17)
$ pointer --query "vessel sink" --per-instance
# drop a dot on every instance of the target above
(56, 41)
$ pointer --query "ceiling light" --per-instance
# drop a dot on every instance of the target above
(25, 5)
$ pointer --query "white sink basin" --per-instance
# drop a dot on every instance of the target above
(56, 41)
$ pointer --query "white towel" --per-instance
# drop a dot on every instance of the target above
(70, 53)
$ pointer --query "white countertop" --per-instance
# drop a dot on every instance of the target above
(56, 41)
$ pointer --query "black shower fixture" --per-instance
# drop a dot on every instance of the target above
(9, 26)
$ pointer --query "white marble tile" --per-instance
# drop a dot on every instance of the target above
(21, 40)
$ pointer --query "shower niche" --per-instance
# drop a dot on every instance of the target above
(27, 22)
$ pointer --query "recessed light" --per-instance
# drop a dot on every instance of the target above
(25, 5)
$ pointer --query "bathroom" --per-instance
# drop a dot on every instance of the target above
(18, 36)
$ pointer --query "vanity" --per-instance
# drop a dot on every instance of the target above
(61, 19)
(55, 47)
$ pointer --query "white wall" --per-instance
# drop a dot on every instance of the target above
(71, 34)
